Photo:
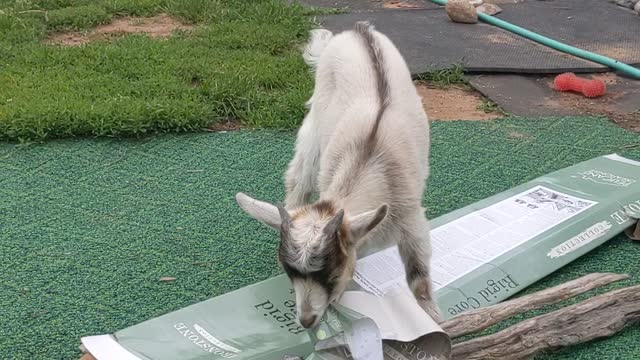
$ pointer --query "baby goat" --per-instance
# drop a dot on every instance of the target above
(363, 148)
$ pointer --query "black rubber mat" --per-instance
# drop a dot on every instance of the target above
(598, 26)
(371, 5)
(429, 40)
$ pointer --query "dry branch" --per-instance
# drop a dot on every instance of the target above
(476, 320)
(598, 317)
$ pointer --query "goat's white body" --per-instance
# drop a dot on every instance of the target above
(342, 109)
(363, 148)
(335, 160)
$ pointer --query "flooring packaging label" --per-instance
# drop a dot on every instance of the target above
(482, 254)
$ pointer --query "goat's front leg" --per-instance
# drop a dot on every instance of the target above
(415, 251)
(300, 178)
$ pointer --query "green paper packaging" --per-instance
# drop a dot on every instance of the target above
(482, 254)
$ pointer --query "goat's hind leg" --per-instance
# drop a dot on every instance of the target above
(415, 251)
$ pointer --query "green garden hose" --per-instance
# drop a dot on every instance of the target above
(612, 63)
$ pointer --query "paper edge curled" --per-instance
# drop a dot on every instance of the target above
(622, 159)
(410, 307)
(105, 347)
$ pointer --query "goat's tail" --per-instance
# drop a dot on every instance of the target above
(366, 32)
(316, 45)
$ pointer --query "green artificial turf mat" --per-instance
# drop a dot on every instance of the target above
(88, 227)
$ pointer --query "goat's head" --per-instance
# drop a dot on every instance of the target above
(318, 246)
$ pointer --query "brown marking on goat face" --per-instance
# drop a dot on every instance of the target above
(324, 208)
(339, 256)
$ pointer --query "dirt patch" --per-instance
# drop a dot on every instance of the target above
(568, 100)
(159, 26)
(453, 103)
(397, 4)
(607, 78)
(225, 125)
(500, 38)
(629, 121)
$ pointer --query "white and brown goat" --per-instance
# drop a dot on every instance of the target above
(363, 150)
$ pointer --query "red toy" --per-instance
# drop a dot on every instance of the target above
(588, 88)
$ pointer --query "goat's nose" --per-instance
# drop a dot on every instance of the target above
(308, 322)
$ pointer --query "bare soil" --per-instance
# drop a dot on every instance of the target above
(453, 103)
(629, 121)
(500, 38)
(399, 4)
(225, 125)
(159, 26)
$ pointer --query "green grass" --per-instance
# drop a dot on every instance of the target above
(489, 106)
(88, 227)
(242, 62)
(444, 77)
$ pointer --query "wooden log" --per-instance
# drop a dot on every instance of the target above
(598, 317)
(479, 319)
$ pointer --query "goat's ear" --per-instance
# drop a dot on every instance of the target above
(264, 212)
(362, 224)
